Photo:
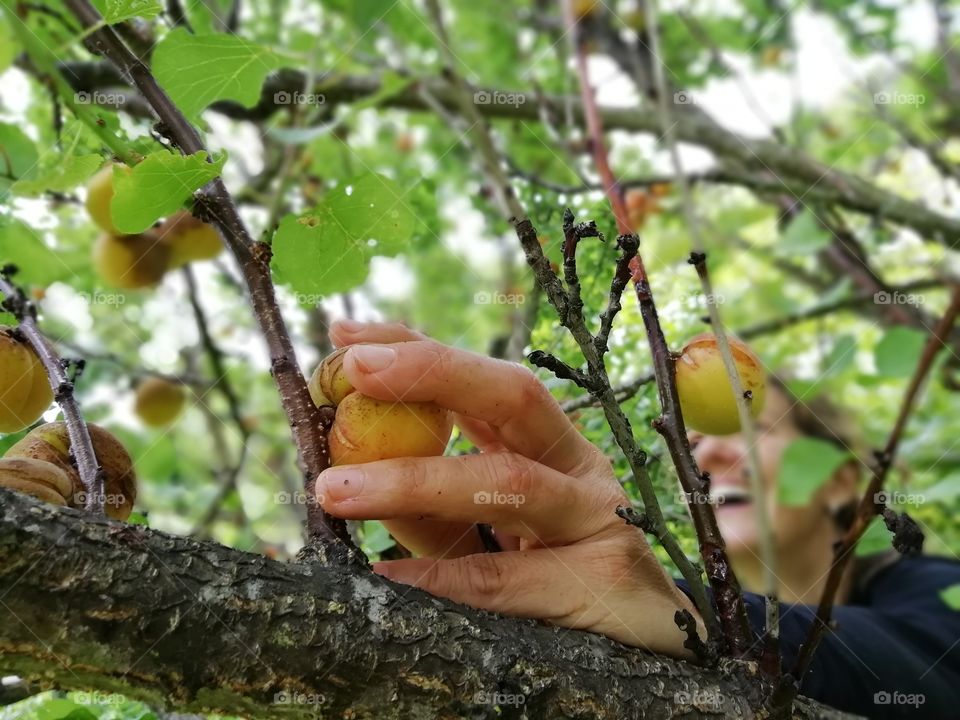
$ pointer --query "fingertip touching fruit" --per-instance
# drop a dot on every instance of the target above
(100, 197)
(39, 478)
(706, 395)
(189, 238)
(131, 261)
(159, 401)
(24, 388)
(366, 429)
(51, 443)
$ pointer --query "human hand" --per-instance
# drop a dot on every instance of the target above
(548, 493)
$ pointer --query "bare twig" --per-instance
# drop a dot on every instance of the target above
(81, 446)
(871, 504)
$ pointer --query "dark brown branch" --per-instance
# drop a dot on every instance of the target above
(235, 633)
(870, 505)
(81, 446)
(215, 205)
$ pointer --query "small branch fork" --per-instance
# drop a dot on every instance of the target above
(568, 306)
(81, 446)
(726, 588)
(906, 534)
(214, 204)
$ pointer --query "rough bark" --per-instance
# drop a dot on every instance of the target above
(95, 604)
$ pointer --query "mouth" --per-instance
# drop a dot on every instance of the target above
(730, 497)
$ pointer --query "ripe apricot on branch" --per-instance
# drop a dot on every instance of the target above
(706, 395)
(189, 238)
(159, 401)
(51, 443)
(44, 480)
(24, 388)
(131, 261)
(366, 429)
(99, 197)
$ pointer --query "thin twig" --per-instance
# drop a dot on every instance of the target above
(871, 504)
(81, 446)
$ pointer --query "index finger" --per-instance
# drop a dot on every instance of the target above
(505, 395)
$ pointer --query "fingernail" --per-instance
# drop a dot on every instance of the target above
(342, 483)
(382, 568)
(351, 326)
(373, 358)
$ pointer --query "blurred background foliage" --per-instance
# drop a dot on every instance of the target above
(811, 77)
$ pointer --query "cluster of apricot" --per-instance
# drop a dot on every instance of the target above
(366, 429)
(139, 261)
(41, 464)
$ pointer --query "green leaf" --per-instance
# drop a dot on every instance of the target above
(18, 157)
(60, 709)
(803, 236)
(157, 187)
(22, 246)
(806, 464)
(328, 249)
(842, 354)
(66, 173)
(117, 11)
(875, 539)
(197, 70)
(951, 596)
(897, 352)
(9, 47)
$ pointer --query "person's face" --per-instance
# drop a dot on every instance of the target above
(726, 459)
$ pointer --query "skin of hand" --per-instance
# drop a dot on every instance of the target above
(549, 494)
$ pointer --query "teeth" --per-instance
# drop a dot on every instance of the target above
(729, 494)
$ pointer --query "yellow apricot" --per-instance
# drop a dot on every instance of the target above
(100, 196)
(24, 389)
(39, 478)
(706, 395)
(159, 401)
(365, 429)
(189, 238)
(131, 261)
(51, 443)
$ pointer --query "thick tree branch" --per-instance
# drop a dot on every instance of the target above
(744, 160)
(98, 605)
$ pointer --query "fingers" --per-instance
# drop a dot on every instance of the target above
(350, 332)
(518, 496)
(435, 538)
(505, 395)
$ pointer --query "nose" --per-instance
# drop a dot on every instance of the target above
(718, 455)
